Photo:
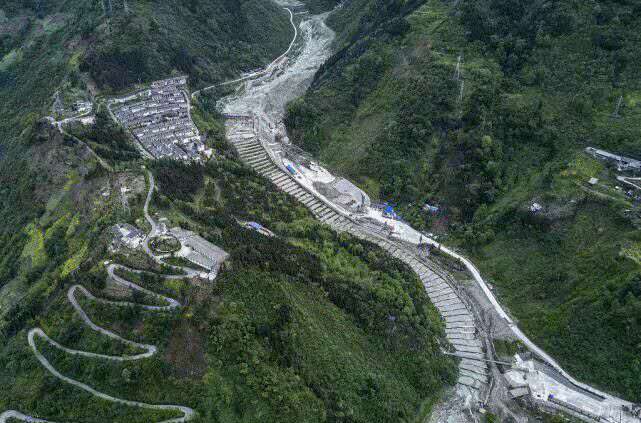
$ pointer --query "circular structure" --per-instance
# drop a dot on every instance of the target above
(165, 244)
(148, 349)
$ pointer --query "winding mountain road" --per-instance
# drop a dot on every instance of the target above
(148, 350)
(630, 181)
(265, 71)
(259, 156)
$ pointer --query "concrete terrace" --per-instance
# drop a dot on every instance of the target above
(461, 328)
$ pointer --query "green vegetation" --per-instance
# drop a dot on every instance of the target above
(164, 245)
(178, 180)
(200, 38)
(541, 82)
(73, 45)
(46, 47)
(317, 306)
(138, 259)
(309, 326)
(505, 348)
(107, 139)
(181, 261)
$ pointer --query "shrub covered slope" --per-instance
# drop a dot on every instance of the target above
(539, 81)
(92, 48)
(305, 327)
(308, 326)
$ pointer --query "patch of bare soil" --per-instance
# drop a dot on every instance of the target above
(116, 291)
(185, 351)
(136, 326)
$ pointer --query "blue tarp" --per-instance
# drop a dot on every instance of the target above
(291, 169)
(389, 211)
(432, 209)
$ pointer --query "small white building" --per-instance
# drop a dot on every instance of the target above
(127, 235)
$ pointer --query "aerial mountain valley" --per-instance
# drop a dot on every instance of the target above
(320, 211)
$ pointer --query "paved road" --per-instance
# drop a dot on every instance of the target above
(256, 152)
(155, 231)
(461, 326)
(287, 183)
(251, 152)
(517, 331)
(147, 349)
(71, 119)
(265, 71)
(58, 124)
(630, 181)
(187, 412)
(7, 416)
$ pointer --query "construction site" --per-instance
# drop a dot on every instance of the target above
(515, 388)
(473, 317)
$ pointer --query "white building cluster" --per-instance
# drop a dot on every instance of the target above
(126, 235)
(160, 119)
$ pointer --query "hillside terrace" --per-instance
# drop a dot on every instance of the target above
(160, 119)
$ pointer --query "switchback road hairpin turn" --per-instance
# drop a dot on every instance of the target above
(148, 350)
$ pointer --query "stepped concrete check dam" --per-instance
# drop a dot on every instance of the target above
(254, 127)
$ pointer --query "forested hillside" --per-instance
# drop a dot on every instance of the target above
(538, 82)
(51, 205)
(305, 327)
(308, 326)
(91, 48)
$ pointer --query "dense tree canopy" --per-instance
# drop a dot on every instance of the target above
(538, 81)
